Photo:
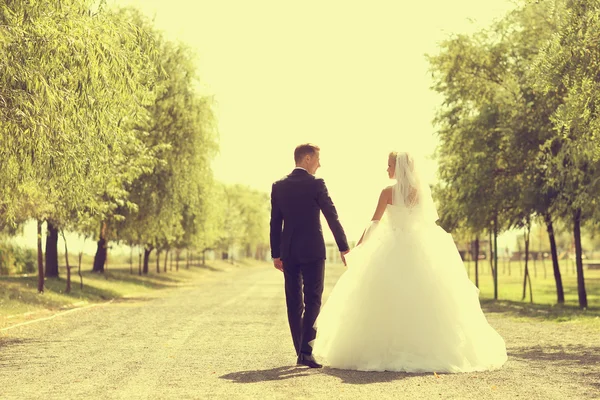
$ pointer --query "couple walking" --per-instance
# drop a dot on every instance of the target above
(405, 303)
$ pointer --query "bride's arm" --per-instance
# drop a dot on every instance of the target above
(384, 199)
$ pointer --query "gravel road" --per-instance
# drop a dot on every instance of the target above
(225, 336)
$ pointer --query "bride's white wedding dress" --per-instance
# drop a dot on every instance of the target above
(405, 302)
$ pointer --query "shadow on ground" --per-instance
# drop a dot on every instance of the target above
(568, 359)
(24, 291)
(363, 378)
(274, 374)
(11, 341)
(6, 342)
(543, 312)
(208, 267)
(569, 355)
(155, 280)
(593, 378)
(346, 376)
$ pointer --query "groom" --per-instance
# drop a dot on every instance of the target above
(299, 250)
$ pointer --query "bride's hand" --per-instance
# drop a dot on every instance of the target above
(342, 254)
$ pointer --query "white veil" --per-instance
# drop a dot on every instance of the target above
(411, 190)
(410, 193)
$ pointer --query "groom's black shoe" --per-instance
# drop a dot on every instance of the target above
(308, 360)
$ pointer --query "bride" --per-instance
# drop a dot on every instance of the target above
(406, 303)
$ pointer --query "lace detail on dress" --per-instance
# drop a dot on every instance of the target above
(412, 200)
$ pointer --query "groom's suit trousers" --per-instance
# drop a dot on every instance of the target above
(303, 306)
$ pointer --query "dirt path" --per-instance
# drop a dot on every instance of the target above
(226, 337)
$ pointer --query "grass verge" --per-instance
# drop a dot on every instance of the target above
(544, 307)
(20, 300)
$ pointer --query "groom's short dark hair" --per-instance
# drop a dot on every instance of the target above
(303, 150)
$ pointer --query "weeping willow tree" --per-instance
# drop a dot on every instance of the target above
(74, 83)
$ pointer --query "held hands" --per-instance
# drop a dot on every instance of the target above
(342, 254)
(278, 264)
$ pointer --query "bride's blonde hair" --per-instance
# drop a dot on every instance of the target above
(409, 160)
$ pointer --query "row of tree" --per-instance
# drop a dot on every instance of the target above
(233, 221)
(104, 132)
(519, 127)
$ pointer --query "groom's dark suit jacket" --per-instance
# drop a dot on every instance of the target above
(296, 202)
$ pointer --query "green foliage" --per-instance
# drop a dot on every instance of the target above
(519, 124)
(568, 65)
(171, 199)
(16, 259)
(495, 128)
(103, 125)
(73, 84)
(242, 220)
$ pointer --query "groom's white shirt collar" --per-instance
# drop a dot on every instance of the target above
(301, 168)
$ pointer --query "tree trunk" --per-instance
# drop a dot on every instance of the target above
(131, 260)
(204, 257)
(526, 277)
(166, 259)
(530, 288)
(491, 249)
(79, 270)
(469, 264)
(177, 259)
(68, 288)
(187, 258)
(541, 255)
(495, 251)
(158, 261)
(579, 260)
(560, 294)
(147, 252)
(525, 239)
(100, 258)
(40, 258)
(171, 261)
(139, 261)
(477, 261)
(51, 251)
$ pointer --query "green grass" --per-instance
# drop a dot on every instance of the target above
(544, 306)
(20, 300)
(18, 294)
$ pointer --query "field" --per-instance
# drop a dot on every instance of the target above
(20, 301)
(510, 291)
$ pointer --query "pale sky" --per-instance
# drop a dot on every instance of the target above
(350, 76)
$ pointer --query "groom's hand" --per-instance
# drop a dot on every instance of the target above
(278, 264)
(342, 254)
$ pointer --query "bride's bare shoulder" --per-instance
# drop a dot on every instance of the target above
(387, 192)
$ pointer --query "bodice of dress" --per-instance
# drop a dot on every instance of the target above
(402, 217)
